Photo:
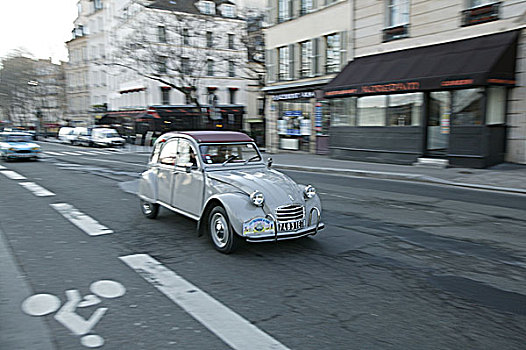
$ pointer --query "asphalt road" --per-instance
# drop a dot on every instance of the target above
(399, 266)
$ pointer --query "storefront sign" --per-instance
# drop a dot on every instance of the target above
(293, 96)
(457, 82)
(377, 88)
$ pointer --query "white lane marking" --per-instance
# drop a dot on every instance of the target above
(83, 152)
(13, 175)
(37, 190)
(52, 153)
(229, 326)
(70, 153)
(2, 167)
(87, 224)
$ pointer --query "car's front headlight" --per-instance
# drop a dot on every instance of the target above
(12, 149)
(35, 148)
(309, 191)
(257, 198)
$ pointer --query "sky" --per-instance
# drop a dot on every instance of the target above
(40, 26)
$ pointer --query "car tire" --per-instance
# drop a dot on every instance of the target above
(150, 210)
(223, 237)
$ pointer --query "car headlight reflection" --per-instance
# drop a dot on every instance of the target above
(35, 148)
(309, 191)
(257, 198)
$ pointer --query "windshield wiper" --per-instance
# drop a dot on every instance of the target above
(231, 158)
(251, 158)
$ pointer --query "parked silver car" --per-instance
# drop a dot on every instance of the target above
(219, 178)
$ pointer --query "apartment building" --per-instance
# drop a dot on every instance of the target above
(307, 43)
(433, 79)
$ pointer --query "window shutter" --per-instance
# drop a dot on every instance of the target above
(344, 45)
(292, 68)
(270, 60)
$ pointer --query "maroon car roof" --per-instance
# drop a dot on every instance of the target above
(218, 136)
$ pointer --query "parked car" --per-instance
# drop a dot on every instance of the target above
(66, 134)
(18, 145)
(105, 137)
(219, 178)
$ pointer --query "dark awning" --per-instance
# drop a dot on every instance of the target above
(478, 61)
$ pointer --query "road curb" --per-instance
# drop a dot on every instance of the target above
(398, 176)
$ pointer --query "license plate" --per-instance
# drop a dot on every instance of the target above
(291, 226)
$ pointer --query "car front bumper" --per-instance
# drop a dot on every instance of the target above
(282, 236)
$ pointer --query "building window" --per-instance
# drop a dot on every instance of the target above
(467, 106)
(161, 34)
(186, 37)
(210, 67)
(208, 7)
(480, 11)
(185, 66)
(228, 11)
(332, 53)
(397, 20)
(161, 64)
(231, 41)
(98, 4)
(231, 69)
(405, 109)
(209, 39)
(306, 59)
(284, 63)
(371, 110)
(283, 10)
(306, 7)
(232, 96)
(165, 95)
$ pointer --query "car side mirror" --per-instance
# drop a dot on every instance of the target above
(269, 162)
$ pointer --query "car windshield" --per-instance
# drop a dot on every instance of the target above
(110, 134)
(18, 138)
(229, 153)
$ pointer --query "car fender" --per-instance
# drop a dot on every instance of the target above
(238, 207)
(148, 186)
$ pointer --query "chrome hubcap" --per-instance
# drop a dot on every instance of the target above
(219, 230)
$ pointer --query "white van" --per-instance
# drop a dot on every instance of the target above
(105, 137)
(66, 134)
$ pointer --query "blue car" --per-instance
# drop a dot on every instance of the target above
(18, 145)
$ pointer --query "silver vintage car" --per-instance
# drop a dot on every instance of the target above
(219, 178)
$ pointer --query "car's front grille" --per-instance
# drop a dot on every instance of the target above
(290, 213)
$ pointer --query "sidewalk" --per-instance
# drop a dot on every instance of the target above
(505, 177)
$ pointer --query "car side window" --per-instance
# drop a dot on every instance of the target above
(186, 154)
(154, 158)
(168, 153)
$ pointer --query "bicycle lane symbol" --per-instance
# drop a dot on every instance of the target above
(44, 304)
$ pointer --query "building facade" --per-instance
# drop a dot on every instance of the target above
(307, 43)
(433, 79)
(50, 89)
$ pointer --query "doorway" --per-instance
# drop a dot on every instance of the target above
(438, 124)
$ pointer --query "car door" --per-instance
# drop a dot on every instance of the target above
(166, 171)
(188, 191)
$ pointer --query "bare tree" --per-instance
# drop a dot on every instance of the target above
(174, 44)
(17, 97)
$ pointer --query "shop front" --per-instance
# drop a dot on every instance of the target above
(444, 101)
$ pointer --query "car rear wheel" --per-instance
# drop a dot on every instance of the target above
(222, 235)
(150, 210)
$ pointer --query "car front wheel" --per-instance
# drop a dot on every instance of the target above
(150, 210)
(222, 235)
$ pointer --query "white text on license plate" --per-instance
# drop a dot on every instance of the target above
(290, 226)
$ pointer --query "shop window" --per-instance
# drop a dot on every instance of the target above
(343, 111)
(397, 20)
(332, 53)
(284, 63)
(405, 109)
(467, 106)
(371, 110)
(496, 109)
